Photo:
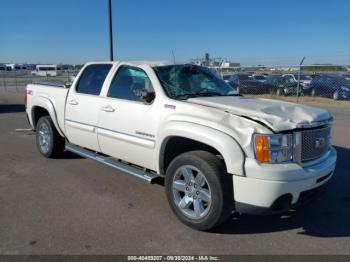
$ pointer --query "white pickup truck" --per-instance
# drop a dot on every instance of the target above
(219, 152)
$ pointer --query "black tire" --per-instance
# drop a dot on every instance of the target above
(219, 182)
(56, 143)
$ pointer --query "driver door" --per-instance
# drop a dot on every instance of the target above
(127, 126)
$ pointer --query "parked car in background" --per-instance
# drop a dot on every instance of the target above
(334, 86)
(347, 76)
(280, 85)
(260, 78)
(246, 84)
(305, 80)
(314, 75)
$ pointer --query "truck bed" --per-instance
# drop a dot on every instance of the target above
(48, 94)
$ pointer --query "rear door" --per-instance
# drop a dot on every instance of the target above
(83, 105)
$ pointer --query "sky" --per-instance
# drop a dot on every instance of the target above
(250, 32)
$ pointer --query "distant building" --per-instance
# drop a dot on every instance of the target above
(221, 65)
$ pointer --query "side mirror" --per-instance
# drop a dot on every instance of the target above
(144, 95)
(68, 84)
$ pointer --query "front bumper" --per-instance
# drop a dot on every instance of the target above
(271, 188)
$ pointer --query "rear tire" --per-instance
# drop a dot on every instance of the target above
(199, 190)
(49, 142)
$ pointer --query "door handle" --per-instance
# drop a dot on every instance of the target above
(108, 109)
(73, 102)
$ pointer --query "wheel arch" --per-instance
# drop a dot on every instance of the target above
(44, 106)
(177, 137)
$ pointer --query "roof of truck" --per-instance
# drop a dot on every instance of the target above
(134, 62)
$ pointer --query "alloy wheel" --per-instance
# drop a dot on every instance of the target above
(191, 192)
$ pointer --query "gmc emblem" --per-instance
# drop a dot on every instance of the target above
(320, 143)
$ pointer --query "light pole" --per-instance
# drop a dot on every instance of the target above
(298, 87)
(110, 30)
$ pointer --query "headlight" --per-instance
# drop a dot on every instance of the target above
(277, 148)
(345, 88)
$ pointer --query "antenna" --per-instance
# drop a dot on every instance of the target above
(172, 51)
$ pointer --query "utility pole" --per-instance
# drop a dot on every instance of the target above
(110, 30)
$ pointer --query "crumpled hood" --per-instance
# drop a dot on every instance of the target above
(277, 115)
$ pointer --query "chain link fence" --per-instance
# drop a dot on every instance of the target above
(318, 87)
(16, 80)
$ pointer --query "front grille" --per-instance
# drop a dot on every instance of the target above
(314, 143)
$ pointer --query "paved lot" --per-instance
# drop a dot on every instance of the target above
(76, 206)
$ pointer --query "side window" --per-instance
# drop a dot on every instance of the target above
(92, 79)
(127, 81)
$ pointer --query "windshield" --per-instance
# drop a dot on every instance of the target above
(244, 77)
(259, 77)
(185, 81)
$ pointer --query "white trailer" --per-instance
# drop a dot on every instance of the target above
(47, 70)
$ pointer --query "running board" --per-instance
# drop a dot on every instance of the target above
(130, 170)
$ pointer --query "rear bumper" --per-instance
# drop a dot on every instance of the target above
(288, 185)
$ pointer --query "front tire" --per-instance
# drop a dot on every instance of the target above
(199, 190)
(49, 142)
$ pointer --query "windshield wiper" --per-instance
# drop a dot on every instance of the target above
(198, 94)
(202, 94)
(216, 94)
(209, 94)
